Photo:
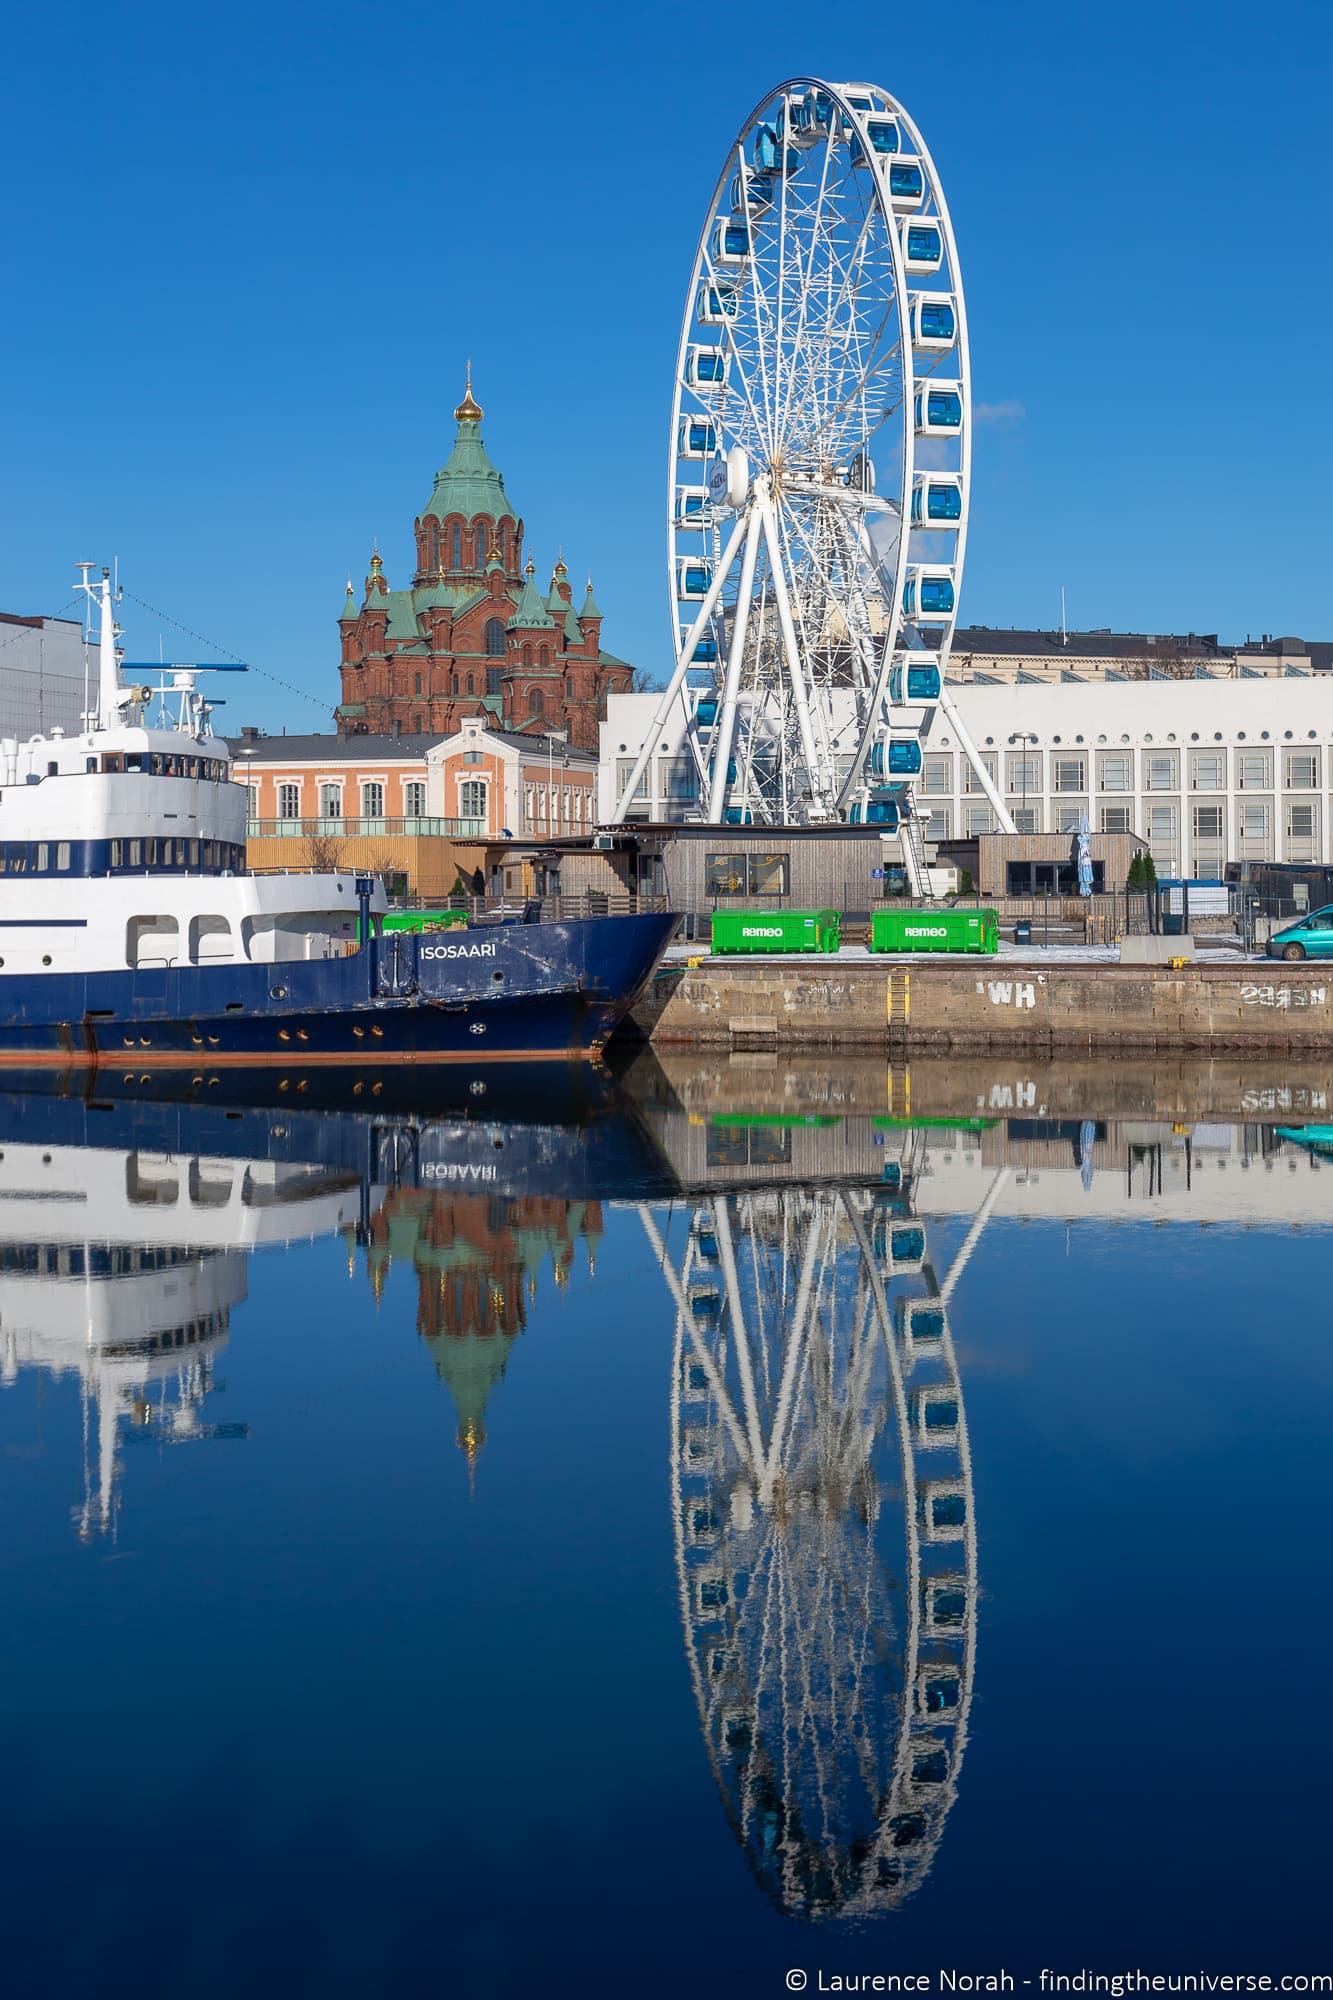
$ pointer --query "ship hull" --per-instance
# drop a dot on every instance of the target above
(497, 994)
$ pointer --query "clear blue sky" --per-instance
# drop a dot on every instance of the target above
(250, 249)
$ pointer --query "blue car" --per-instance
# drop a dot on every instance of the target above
(1309, 937)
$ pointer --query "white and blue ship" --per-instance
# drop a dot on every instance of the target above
(130, 930)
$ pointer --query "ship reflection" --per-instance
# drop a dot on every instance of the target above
(122, 1267)
(128, 1207)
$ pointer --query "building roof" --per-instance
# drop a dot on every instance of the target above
(467, 483)
(325, 747)
(530, 614)
(1003, 643)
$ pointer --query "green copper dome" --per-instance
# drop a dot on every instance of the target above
(467, 483)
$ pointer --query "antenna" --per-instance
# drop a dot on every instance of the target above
(1064, 629)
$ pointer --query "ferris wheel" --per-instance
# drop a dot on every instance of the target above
(820, 457)
(818, 1442)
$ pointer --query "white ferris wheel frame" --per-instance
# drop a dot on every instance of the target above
(759, 1390)
(827, 793)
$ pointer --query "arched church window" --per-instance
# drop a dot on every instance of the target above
(453, 683)
(482, 540)
(544, 656)
(435, 545)
(537, 700)
(495, 680)
(495, 639)
(456, 548)
(527, 656)
(471, 685)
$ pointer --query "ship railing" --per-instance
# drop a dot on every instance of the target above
(552, 909)
(366, 827)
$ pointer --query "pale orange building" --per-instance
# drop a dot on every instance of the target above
(417, 807)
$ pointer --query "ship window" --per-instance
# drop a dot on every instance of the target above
(117, 854)
(210, 937)
(136, 854)
(62, 854)
(152, 940)
(90, 763)
(150, 853)
(43, 857)
(155, 763)
(134, 760)
(194, 854)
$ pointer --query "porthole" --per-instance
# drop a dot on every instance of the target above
(277, 992)
(46, 958)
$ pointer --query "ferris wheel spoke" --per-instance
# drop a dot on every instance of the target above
(808, 272)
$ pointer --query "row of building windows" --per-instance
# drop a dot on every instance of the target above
(1159, 821)
(330, 799)
(1114, 771)
(555, 809)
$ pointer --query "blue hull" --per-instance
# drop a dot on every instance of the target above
(490, 994)
(561, 1130)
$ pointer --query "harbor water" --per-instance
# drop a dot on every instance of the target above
(664, 1535)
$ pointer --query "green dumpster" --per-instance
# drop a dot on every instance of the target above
(776, 930)
(935, 930)
(424, 920)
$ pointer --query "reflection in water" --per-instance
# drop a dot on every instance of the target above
(825, 1530)
(477, 1260)
(121, 1266)
(821, 1477)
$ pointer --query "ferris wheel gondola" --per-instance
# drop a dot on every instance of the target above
(820, 460)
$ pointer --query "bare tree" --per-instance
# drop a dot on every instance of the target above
(323, 853)
(643, 682)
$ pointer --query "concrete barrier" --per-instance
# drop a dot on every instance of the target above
(1048, 1006)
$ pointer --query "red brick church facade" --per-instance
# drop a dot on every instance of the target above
(473, 635)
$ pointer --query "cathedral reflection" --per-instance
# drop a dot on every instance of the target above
(478, 1261)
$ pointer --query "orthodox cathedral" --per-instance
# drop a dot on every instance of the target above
(473, 635)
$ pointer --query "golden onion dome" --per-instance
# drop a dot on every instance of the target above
(469, 411)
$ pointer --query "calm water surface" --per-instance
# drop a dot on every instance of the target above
(649, 1542)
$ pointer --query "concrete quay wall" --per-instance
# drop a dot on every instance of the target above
(982, 1004)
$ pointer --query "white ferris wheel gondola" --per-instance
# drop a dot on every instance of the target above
(820, 460)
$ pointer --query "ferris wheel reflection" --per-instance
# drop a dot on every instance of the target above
(825, 1530)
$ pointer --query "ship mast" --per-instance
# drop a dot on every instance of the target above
(109, 688)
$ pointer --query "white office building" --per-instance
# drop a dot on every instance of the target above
(1205, 770)
(43, 675)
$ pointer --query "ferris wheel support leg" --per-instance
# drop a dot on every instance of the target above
(677, 681)
(726, 722)
(973, 1237)
(795, 671)
(950, 708)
